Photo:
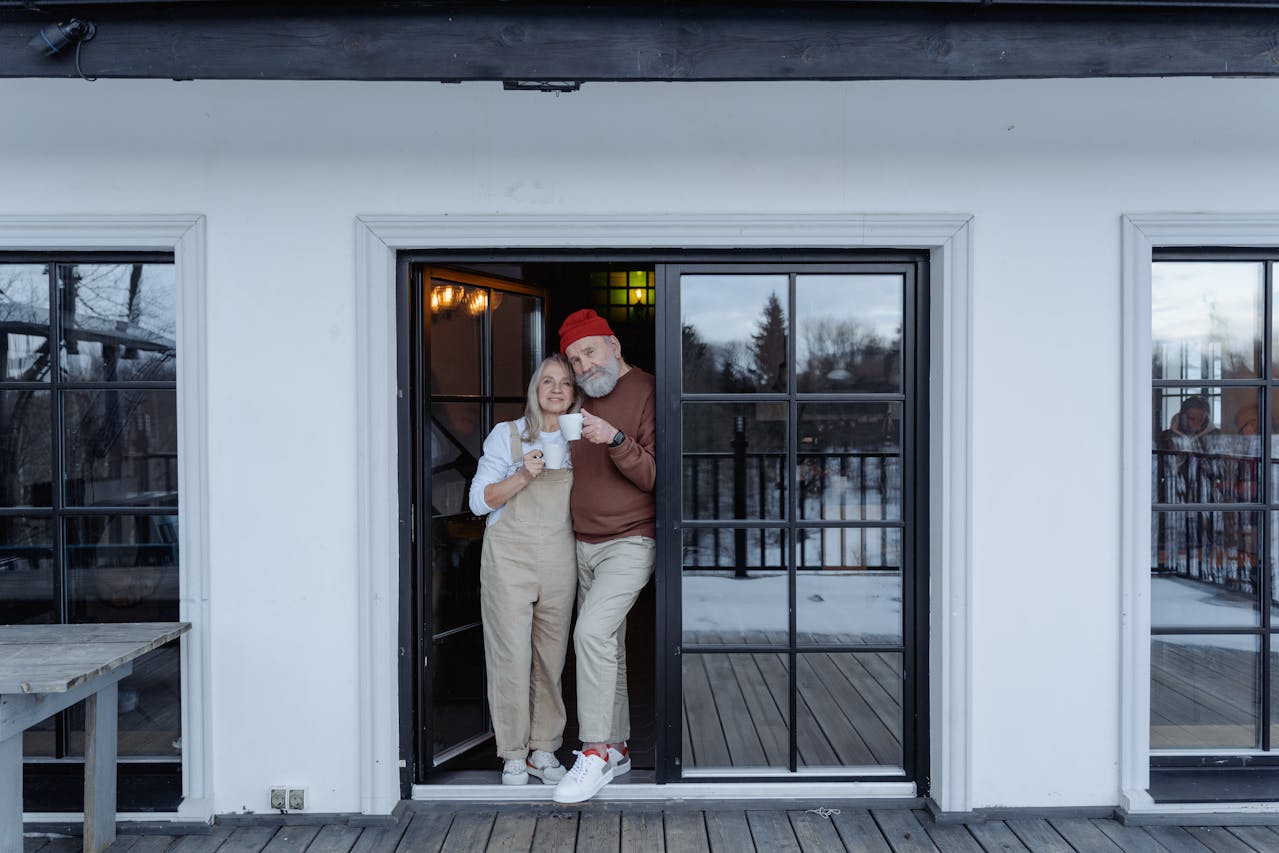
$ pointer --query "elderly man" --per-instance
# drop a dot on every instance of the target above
(615, 522)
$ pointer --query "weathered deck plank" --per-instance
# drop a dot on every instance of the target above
(1218, 839)
(903, 831)
(292, 839)
(335, 839)
(728, 832)
(469, 832)
(642, 832)
(1176, 839)
(952, 838)
(686, 833)
(1260, 837)
(556, 831)
(1083, 836)
(1130, 839)
(152, 844)
(248, 839)
(599, 831)
(814, 832)
(512, 833)
(995, 837)
(425, 833)
(1037, 835)
(771, 831)
(859, 832)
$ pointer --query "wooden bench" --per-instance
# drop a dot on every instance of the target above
(45, 669)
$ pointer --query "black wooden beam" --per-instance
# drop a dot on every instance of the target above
(632, 43)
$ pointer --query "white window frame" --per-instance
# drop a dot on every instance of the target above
(184, 236)
(1141, 234)
(947, 237)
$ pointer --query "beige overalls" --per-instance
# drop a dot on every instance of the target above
(528, 579)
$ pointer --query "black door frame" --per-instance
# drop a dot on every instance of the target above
(667, 694)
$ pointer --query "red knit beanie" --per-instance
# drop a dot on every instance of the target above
(582, 324)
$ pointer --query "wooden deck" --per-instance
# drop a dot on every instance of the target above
(602, 828)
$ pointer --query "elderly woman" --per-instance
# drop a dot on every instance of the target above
(528, 574)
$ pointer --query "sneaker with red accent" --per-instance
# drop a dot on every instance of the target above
(619, 758)
(588, 775)
(545, 766)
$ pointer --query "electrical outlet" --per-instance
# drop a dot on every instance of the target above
(297, 799)
(279, 798)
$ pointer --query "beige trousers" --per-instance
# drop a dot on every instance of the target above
(527, 585)
(610, 576)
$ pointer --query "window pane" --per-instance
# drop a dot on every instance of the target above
(122, 568)
(1206, 319)
(1274, 693)
(850, 461)
(457, 335)
(119, 321)
(735, 708)
(150, 702)
(1203, 692)
(1206, 445)
(456, 543)
(848, 588)
(1205, 569)
(26, 448)
(735, 585)
(734, 332)
(849, 332)
(121, 447)
(457, 441)
(24, 322)
(849, 710)
(26, 571)
(458, 707)
(734, 460)
(517, 341)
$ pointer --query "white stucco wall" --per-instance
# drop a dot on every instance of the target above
(281, 170)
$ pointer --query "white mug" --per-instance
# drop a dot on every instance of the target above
(553, 455)
(571, 426)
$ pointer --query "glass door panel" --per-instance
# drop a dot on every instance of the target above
(795, 426)
(486, 335)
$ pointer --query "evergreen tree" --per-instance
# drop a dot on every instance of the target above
(768, 347)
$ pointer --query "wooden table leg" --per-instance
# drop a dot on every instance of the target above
(101, 712)
(11, 794)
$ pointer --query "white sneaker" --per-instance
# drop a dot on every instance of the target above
(514, 772)
(619, 760)
(545, 766)
(590, 773)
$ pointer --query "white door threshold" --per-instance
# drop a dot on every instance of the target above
(647, 792)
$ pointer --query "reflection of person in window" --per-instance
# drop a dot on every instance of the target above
(1189, 467)
(528, 575)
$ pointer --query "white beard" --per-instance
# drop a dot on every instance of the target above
(600, 381)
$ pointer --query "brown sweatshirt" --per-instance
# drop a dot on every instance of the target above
(613, 486)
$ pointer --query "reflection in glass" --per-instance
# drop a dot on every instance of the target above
(735, 584)
(26, 570)
(26, 448)
(849, 711)
(121, 447)
(1206, 446)
(734, 333)
(848, 587)
(457, 440)
(122, 568)
(1203, 692)
(1274, 693)
(734, 460)
(24, 322)
(455, 570)
(848, 332)
(150, 702)
(850, 461)
(119, 321)
(1206, 319)
(517, 339)
(457, 338)
(1204, 570)
(735, 708)
(458, 686)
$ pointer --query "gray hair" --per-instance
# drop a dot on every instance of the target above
(533, 409)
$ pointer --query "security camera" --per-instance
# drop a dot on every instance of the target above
(55, 38)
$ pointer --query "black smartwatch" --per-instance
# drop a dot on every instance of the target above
(617, 439)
